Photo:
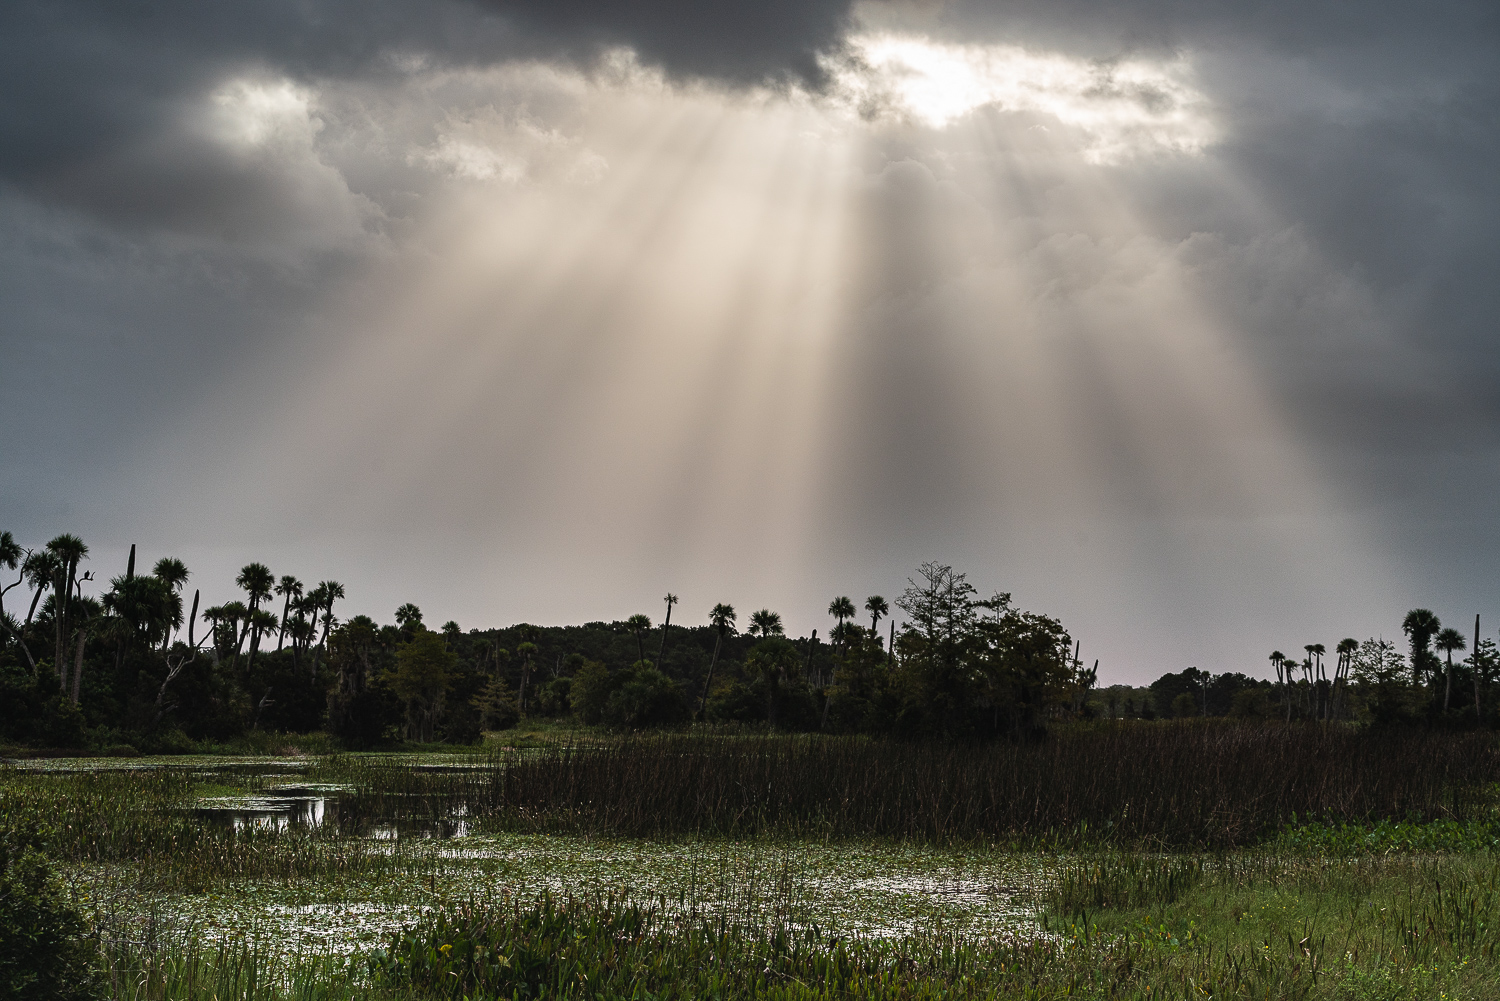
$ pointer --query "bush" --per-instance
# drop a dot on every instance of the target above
(44, 955)
(591, 689)
(497, 706)
(736, 702)
(645, 698)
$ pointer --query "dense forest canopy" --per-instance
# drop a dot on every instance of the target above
(146, 665)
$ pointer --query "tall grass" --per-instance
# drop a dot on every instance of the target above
(1197, 786)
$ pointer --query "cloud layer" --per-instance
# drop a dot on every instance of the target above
(1176, 322)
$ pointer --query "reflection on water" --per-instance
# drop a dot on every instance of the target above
(283, 808)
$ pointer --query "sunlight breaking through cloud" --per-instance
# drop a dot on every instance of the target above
(1124, 108)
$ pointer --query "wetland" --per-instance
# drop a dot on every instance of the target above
(529, 873)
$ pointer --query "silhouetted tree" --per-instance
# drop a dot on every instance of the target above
(1420, 626)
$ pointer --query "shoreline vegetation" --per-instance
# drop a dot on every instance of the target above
(1329, 834)
(1389, 894)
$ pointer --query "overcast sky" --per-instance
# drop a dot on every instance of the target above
(1177, 321)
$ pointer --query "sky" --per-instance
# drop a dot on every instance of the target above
(1175, 321)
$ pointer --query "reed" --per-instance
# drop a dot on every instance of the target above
(1152, 785)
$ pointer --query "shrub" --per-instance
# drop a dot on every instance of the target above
(645, 698)
(44, 955)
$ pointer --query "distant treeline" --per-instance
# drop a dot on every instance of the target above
(145, 666)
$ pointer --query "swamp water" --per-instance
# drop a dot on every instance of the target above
(434, 853)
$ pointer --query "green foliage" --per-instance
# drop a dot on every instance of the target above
(44, 955)
(642, 697)
(498, 709)
(1123, 881)
(423, 665)
(592, 686)
(1385, 837)
(616, 949)
(35, 711)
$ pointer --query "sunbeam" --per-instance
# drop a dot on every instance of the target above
(746, 331)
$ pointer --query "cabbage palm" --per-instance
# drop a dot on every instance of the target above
(765, 623)
(257, 581)
(39, 570)
(1345, 650)
(289, 588)
(11, 557)
(1420, 626)
(842, 609)
(171, 572)
(638, 624)
(722, 620)
(1448, 640)
(89, 612)
(878, 609)
(70, 551)
(661, 655)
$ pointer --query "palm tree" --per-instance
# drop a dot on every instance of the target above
(172, 572)
(408, 616)
(257, 581)
(332, 591)
(69, 550)
(765, 623)
(1346, 648)
(12, 556)
(231, 614)
(877, 608)
(1315, 653)
(289, 588)
(841, 609)
(1277, 660)
(670, 599)
(1420, 626)
(638, 624)
(1448, 640)
(722, 620)
(39, 570)
(89, 610)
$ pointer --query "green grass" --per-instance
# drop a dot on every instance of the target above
(1271, 925)
(1251, 927)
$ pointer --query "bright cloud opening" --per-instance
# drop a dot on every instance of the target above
(1122, 108)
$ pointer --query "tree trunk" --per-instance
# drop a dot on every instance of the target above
(1476, 670)
(709, 680)
(286, 609)
(662, 653)
(83, 635)
(59, 616)
(1448, 682)
(20, 642)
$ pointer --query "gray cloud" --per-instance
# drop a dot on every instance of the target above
(207, 213)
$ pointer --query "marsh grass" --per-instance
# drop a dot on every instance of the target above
(1257, 927)
(1394, 926)
(1162, 786)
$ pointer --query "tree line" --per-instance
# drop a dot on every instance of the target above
(143, 665)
